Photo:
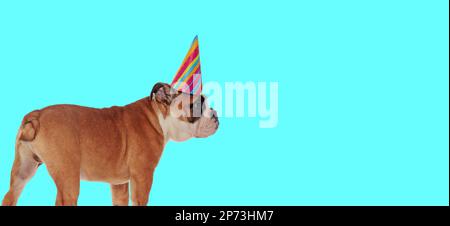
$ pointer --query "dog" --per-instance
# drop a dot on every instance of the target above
(117, 145)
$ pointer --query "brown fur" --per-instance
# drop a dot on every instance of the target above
(117, 145)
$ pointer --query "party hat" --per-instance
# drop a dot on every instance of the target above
(188, 79)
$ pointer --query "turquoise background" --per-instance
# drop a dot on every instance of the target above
(363, 94)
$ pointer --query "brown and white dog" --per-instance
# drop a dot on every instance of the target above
(117, 145)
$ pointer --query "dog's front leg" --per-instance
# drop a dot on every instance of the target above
(141, 184)
(120, 195)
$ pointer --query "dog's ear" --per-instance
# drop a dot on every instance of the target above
(162, 93)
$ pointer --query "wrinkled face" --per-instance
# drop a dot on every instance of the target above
(185, 115)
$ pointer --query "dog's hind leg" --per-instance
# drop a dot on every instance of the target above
(67, 180)
(24, 167)
(67, 184)
(120, 194)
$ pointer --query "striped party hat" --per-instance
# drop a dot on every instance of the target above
(188, 79)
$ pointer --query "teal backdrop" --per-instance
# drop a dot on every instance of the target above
(363, 94)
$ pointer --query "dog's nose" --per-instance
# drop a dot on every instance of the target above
(214, 116)
(213, 113)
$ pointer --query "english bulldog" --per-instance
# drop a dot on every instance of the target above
(117, 145)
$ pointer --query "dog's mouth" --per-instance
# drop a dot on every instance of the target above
(207, 126)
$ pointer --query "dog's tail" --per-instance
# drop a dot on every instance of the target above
(30, 126)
